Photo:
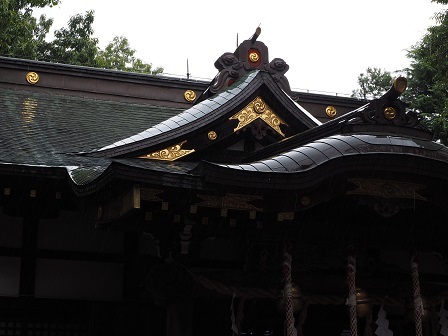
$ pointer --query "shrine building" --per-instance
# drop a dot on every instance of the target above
(133, 204)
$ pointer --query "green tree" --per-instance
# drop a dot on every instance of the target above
(75, 44)
(21, 34)
(24, 36)
(428, 76)
(119, 55)
(373, 84)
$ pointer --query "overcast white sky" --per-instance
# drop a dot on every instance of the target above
(327, 43)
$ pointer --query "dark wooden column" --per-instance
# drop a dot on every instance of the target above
(28, 253)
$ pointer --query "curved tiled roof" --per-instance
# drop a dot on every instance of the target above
(310, 163)
(322, 150)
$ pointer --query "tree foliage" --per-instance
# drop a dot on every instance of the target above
(21, 34)
(428, 76)
(75, 44)
(373, 83)
(119, 55)
(24, 36)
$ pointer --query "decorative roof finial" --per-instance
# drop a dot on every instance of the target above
(256, 34)
(249, 55)
(389, 110)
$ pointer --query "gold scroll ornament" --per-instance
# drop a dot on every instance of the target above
(258, 109)
(189, 95)
(32, 77)
(331, 111)
(169, 154)
(390, 113)
(212, 135)
(254, 57)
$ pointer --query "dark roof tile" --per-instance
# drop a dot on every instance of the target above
(37, 126)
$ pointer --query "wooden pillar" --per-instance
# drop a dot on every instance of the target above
(180, 318)
(28, 254)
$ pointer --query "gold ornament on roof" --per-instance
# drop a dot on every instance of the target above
(259, 106)
(189, 95)
(331, 111)
(390, 113)
(212, 135)
(258, 109)
(32, 77)
(171, 153)
(254, 57)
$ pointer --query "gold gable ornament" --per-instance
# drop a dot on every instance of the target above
(258, 109)
(171, 153)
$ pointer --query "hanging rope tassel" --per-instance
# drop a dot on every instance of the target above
(418, 302)
(351, 300)
(288, 293)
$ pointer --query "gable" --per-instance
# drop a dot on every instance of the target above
(253, 110)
